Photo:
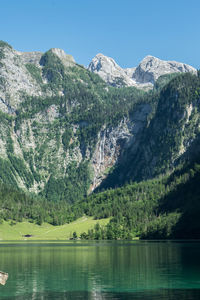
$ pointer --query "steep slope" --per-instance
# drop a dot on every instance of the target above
(143, 76)
(163, 208)
(65, 132)
(151, 68)
(62, 128)
(110, 71)
(169, 138)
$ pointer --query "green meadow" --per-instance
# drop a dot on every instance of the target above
(8, 231)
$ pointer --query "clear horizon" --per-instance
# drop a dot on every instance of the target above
(125, 30)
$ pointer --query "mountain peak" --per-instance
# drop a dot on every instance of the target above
(150, 58)
(151, 68)
(100, 55)
(110, 71)
(65, 58)
(147, 57)
(142, 76)
(101, 60)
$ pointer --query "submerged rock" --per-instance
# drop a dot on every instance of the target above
(3, 277)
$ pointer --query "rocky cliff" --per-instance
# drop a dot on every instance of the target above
(171, 137)
(110, 71)
(64, 131)
(142, 76)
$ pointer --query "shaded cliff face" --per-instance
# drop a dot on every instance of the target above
(113, 142)
(174, 128)
(170, 138)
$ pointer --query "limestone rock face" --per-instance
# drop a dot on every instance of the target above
(151, 68)
(142, 76)
(114, 141)
(30, 57)
(16, 79)
(59, 122)
(66, 59)
(110, 71)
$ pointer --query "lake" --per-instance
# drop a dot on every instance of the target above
(101, 270)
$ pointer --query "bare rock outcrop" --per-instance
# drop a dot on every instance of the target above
(110, 71)
(151, 68)
(3, 277)
(66, 59)
(142, 76)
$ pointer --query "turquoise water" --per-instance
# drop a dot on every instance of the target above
(101, 270)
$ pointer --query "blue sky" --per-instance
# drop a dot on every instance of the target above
(126, 30)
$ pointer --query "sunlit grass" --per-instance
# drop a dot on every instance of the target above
(47, 231)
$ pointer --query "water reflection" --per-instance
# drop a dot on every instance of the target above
(115, 270)
(183, 294)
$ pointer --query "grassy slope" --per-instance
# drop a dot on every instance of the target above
(47, 231)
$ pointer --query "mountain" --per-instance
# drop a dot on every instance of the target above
(62, 127)
(65, 132)
(71, 143)
(142, 76)
(20, 73)
(170, 138)
(110, 71)
(163, 208)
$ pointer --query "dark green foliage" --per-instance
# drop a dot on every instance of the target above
(164, 80)
(185, 197)
(53, 69)
(6, 118)
(170, 129)
(171, 117)
(35, 72)
(33, 105)
(131, 207)
(155, 209)
(162, 227)
(72, 187)
(66, 137)
(7, 172)
(21, 170)
(2, 46)
(74, 235)
(9, 143)
(16, 205)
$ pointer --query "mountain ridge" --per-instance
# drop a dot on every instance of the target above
(65, 131)
(142, 76)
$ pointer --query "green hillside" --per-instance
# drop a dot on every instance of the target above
(73, 146)
(170, 136)
(163, 208)
(48, 139)
(17, 231)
